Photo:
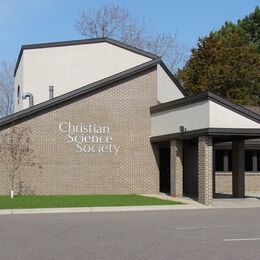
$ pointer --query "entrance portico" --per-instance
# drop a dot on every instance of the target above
(202, 121)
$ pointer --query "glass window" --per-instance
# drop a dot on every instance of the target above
(249, 161)
(258, 161)
(219, 161)
(229, 160)
(18, 95)
(223, 160)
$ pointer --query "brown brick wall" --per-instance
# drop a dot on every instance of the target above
(224, 182)
(124, 108)
(205, 169)
(176, 147)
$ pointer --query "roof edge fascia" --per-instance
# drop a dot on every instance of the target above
(77, 92)
(182, 102)
(80, 42)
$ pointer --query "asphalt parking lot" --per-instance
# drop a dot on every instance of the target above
(177, 234)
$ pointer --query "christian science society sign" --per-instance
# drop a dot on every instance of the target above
(89, 138)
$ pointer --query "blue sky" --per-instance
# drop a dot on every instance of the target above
(36, 21)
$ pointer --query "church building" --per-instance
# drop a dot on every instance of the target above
(108, 118)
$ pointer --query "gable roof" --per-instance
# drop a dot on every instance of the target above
(206, 96)
(23, 114)
(80, 42)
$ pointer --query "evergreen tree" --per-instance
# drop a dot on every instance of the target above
(250, 27)
(227, 62)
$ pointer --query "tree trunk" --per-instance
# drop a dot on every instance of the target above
(12, 187)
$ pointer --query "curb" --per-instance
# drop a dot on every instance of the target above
(98, 209)
(237, 207)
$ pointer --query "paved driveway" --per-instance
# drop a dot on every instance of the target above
(181, 234)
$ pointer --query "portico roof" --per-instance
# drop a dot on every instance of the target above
(203, 114)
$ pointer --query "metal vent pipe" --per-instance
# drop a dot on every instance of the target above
(30, 97)
(51, 92)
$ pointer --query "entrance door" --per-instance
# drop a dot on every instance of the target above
(165, 182)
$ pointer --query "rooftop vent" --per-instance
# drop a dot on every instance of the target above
(51, 92)
(30, 96)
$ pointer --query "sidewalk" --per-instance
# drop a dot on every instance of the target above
(217, 204)
(99, 209)
(236, 203)
(252, 200)
(186, 200)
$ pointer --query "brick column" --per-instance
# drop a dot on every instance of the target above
(205, 169)
(176, 168)
(238, 168)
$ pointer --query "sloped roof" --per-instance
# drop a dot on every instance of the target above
(80, 42)
(206, 96)
(23, 114)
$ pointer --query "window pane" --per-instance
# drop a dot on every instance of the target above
(249, 161)
(258, 161)
(230, 160)
(219, 162)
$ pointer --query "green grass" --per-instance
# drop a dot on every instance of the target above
(20, 202)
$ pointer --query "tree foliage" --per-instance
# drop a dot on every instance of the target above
(117, 22)
(227, 62)
(250, 28)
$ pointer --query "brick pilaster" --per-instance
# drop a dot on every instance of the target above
(238, 168)
(177, 168)
(205, 169)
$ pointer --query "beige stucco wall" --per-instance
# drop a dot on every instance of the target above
(19, 82)
(124, 108)
(70, 67)
(224, 117)
(204, 114)
(166, 88)
(192, 117)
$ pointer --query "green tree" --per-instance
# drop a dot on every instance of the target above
(251, 28)
(227, 63)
